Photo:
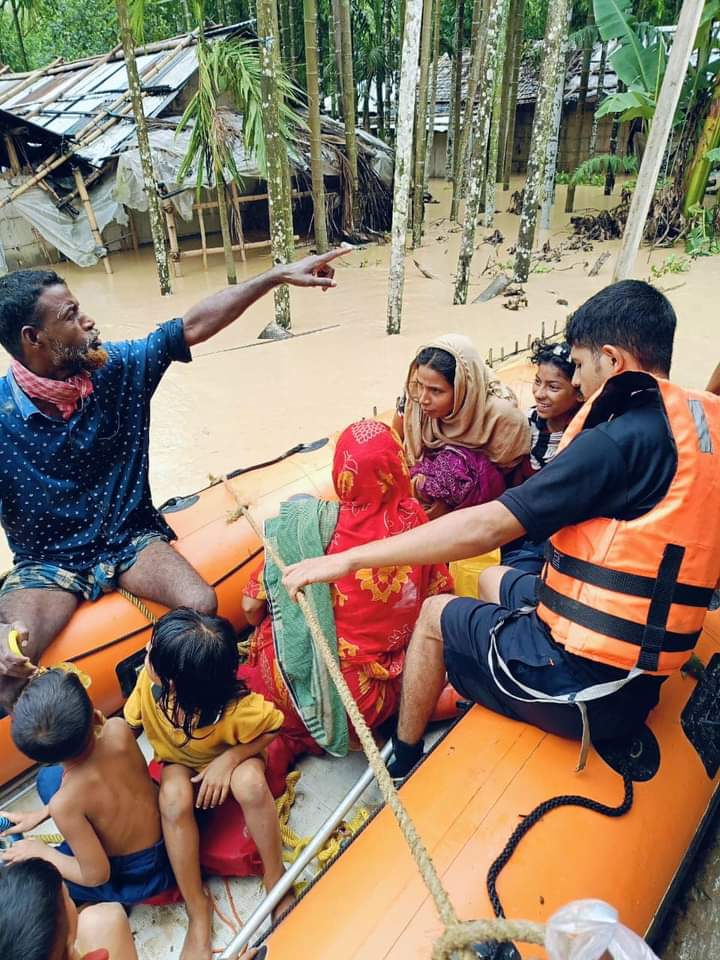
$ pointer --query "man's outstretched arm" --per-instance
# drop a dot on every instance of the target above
(210, 316)
(456, 536)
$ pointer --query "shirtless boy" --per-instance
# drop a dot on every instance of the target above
(101, 798)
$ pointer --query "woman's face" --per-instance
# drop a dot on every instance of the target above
(554, 394)
(432, 391)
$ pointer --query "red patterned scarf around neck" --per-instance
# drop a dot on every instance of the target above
(64, 394)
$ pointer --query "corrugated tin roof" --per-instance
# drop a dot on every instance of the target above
(69, 97)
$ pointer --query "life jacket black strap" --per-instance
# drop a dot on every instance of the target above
(631, 584)
(611, 626)
(654, 635)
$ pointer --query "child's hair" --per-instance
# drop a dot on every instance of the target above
(33, 920)
(196, 659)
(53, 717)
(558, 354)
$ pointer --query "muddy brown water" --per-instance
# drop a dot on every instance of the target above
(242, 401)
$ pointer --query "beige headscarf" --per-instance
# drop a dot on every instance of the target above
(484, 416)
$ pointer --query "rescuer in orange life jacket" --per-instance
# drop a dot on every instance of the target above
(631, 507)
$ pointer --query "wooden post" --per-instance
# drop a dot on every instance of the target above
(173, 237)
(133, 231)
(90, 213)
(667, 102)
(238, 214)
(12, 154)
(203, 240)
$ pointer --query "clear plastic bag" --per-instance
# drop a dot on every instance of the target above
(590, 930)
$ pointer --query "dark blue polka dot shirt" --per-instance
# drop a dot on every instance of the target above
(74, 493)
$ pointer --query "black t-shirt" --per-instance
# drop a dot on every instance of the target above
(619, 467)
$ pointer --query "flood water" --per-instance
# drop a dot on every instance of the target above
(242, 401)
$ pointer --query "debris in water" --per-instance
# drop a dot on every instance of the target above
(273, 331)
(493, 289)
(596, 267)
(424, 272)
(495, 238)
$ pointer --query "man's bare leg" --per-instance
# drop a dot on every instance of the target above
(422, 683)
(44, 612)
(161, 574)
(182, 840)
(489, 583)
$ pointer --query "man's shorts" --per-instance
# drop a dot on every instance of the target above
(90, 584)
(536, 661)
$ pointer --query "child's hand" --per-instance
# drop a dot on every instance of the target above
(215, 781)
(23, 822)
(25, 850)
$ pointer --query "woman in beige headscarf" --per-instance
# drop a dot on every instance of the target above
(461, 427)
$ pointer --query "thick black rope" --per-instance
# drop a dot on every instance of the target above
(564, 800)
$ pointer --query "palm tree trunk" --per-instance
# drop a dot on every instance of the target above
(420, 123)
(598, 99)
(553, 147)
(614, 133)
(555, 31)
(490, 189)
(516, 54)
(313, 88)
(403, 160)
(433, 96)
(380, 100)
(551, 153)
(505, 79)
(478, 164)
(456, 92)
(279, 201)
(143, 140)
(366, 105)
(225, 225)
(349, 109)
(580, 114)
(477, 52)
(19, 33)
(387, 70)
(337, 42)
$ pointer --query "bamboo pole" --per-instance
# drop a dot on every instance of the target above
(667, 102)
(90, 214)
(27, 81)
(12, 154)
(313, 88)
(516, 53)
(39, 105)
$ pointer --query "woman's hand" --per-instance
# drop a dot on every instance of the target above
(328, 569)
(23, 822)
(215, 781)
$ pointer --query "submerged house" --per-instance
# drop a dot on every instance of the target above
(70, 180)
(574, 129)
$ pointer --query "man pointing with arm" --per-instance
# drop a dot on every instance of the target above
(74, 435)
(631, 507)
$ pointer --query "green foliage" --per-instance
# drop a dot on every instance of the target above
(672, 264)
(229, 67)
(586, 180)
(598, 166)
(713, 156)
(703, 240)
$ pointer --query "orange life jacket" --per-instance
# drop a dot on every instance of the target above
(633, 593)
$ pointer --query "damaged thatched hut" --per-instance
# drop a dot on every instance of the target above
(70, 181)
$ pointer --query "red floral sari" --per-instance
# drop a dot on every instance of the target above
(375, 608)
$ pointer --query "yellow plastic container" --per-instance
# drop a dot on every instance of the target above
(465, 573)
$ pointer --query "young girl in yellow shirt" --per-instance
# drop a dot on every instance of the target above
(209, 733)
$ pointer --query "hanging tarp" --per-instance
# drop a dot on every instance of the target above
(70, 235)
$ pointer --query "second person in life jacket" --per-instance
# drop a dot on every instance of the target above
(631, 508)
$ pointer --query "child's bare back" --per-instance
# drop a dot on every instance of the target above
(112, 789)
